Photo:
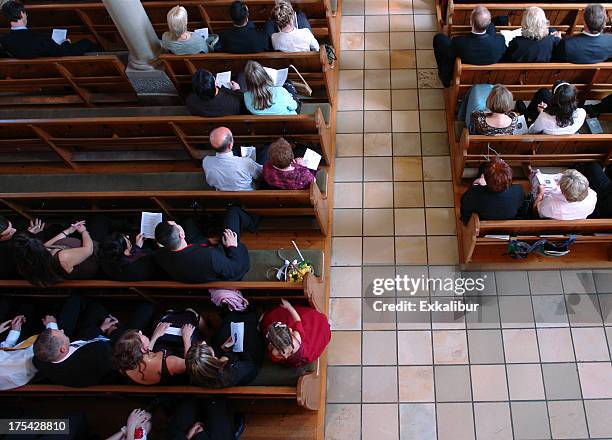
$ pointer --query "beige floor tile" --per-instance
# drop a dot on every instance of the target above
(350, 100)
(377, 121)
(349, 144)
(342, 421)
(436, 168)
(377, 79)
(377, 100)
(590, 344)
(346, 251)
(379, 384)
(349, 122)
(379, 422)
(402, 40)
(435, 144)
(431, 99)
(348, 195)
(520, 345)
(403, 59)
(425, 23)
(378, 169)
(347, 223)
(450, 347)
(345, 313)
(352, 41)
(433, 121)
(441, 221)
(525, 382)
(555, 345)
(377, 59)
(410, 221)
(352, 59)
(376, 7)
(414, 347)
(344, 348)
(378, 250)
(424, 40)
(403, 79)
(377, 222)
(442, 250)
(377, 144)
(419, 7)
(345, 281)
(401, 23)
(377, 41)
(348, 169)
(428, 79)
(350, 79)
(595, 379)
(405, 121)
(567, 419)
(405, 100)
(353, 7)
(343, 384)
(410, 250)
(351, 24)
(379, 348)
(407, 169)
(493, 421)
(416, 384)
(425, 59)
(378, 195)
(377, 23)
(455, 421)
(400, 7)
(489, 382)
(408, 194)
(439, 194)
(406, 144)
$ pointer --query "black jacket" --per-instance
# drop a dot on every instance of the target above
(244, 39)
(483, 49)
(24, 43)
(139, 267)
(8, 269)
(584, 49)
(226, 102)
(527, 50)
(489, 205)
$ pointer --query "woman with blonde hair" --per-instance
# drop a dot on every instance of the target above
(178, 40)
(289, 38)
(262, 97)
(536, 43)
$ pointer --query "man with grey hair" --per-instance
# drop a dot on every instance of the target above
(571, 199)
(226, 172)
(481, 46)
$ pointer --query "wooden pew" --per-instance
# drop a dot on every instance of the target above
(141, 144)
(81, 81)
(314, 67)
(589, 250)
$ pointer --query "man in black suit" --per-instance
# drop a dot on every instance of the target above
(592, 46)
(482, 46)
(20, 42)
(243, 37)
(87, 360)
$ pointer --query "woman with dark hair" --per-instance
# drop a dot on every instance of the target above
(557, 112)
(208, 99)
(493, 196)
(123, 261)
(262, 96)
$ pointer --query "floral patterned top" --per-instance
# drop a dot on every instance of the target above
(479, 121)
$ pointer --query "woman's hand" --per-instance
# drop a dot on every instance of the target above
(36, 226)
(137, 419)
(541, 107)
(187, 332)
(139, 240)
(160, 330)
(286, 304)
(80, 226)
(17, 322)
(194, 430)
(234, 85)
(228, 344)
(480, 181)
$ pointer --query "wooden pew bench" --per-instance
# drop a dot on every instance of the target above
(92, 80)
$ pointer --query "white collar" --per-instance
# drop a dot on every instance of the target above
(480, 33)
(226, 154)
(591, 35)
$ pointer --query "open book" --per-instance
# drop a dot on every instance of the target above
(224, 79)
(148, 222)
(202, 32)
(278, 76)
(59, 35)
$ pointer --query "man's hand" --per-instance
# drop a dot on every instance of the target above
(187, 332)
(139, 241)
(109, 325)
(234, 85)
(48, 319)
(17, 322)
(541, 107)
(230, 239)
(228, 344)
(195, 429)
(480, 181)
(36, 226)
(137, 419)
(160, 330)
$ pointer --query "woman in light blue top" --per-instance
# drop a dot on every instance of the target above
(262, 97)
(178, 40)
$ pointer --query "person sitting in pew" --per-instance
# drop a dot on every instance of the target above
(16, 367)
(296, 335)
(603, 106)
(283, 171)
(87, 359)
(289, 37)
(242, 37)
(487, 110)
(300, 21)
(536, 43)
(138, 426)
(187, 256)
(262, 97)
(568, 198)
(20, 42)
(601, 183)
(178, 40)
(592, 45)
(555, 113)
(210, 419)
(8, 267)
(208, 99)
(218, 365)
(122, 260)
(493, 196)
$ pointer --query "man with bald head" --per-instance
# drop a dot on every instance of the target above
(481, 46)
(226, 172)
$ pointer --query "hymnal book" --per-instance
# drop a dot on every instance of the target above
(550, 181)
(202, 32)
(278, 76)
(521, 126)
(237, 334)
(175, 331)
(224, 79)
(510, 35)
(311, 159)
(148, 222)
(249, 151)
(59, 35)
(594, 126)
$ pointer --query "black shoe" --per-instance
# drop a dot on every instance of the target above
(239, 423)
(520, 107)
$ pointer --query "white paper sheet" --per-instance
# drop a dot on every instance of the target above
(202, 32)
(311, 159)
(278, 76)
(521, 126)
(224, 79)
(249, 151)
(550, 181)
(59, 35)
(173, 331)
(237, 333)
(148, 222)
(510, 35)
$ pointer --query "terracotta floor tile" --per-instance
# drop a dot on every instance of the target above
(346, 251)
(378, 169)
(377, 100)
(353, 7)
(489, 382)
(345, 281)
(350, 122)
(348, 195)
(377, 79)
(350, 100)
(351, 24)
(352, 60)
(403, 78)
(435, 144)
(379, 348)
(349, 144)
(403, 59)
(450, 347)
(416, 384)
(405, 121)
(406, 144)
(410, 250)
(441, 221)
(350, 79)
(438, 194)
(525, 382)
(345, 313)
(425, 59)
(377, 222)
(407, 168)
(377, 23)
(343, 384)
(442, 250)
(414, 347)
(431, 99)
(377, 41)
(400, 6)
(424, 40)
(408, 194)
(402, 40)
(409, 221)
(433, 120)
(377, 144)
(378, 195)
(352, 41)
(377, 121)
(493, 420)
(425, 23)
(436, 168)
(376, 7)
(379, 422)
(401, 23)
(378, 250)
(405, 100)
(347, 222)
(377, 59)
(348, 169)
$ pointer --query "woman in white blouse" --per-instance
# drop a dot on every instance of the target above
(290, 38)
(559, 112)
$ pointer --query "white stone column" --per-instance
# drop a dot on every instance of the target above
(137, 31)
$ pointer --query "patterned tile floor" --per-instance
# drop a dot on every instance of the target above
(533, 362)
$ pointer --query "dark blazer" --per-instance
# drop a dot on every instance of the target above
(226, 102)
(491, 206)
(584, 49)
(528, 50)
(8, 268)
(244, 39)
(24, 43)
(487, 48)
(139, 267)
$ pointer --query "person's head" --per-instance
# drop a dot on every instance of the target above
(480, 19)
(34, 262)
(282, 14)
(51, 345)
(6, 229)
(204, 368)
(221, 139)
(281, 342)
(280, 153)
(574, 186)
(499, 99)
(259, 83)
(115, 247)
(498, 175)
(534, 24)
(129, 350)
(203, 84)
(240, 13)
(563, 104)
(170, 235)
(594, 18)
(15, 12)
(177, 21)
